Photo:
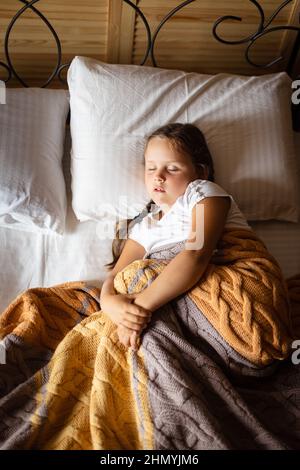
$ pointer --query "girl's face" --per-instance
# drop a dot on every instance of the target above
(167, 172)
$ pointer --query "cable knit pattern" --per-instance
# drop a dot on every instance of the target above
(242, 293)
(204, 377)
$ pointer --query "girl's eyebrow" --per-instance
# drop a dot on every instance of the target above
(166, 161)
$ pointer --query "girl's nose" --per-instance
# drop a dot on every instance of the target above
(159, 176)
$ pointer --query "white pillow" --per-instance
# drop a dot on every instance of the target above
(32, 187)
(246, 122)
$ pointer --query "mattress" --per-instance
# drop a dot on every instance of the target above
(40, 260)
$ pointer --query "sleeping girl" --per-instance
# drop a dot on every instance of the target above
(186, 205)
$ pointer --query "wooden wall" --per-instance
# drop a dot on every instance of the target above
(110, 30)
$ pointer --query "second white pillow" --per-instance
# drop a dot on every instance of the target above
(32, 186)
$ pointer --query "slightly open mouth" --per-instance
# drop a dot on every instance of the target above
(160, 190)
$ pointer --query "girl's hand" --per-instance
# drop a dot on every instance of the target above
(128, 337)
(122, 311)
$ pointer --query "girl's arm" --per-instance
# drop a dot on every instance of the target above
(187, 268)
(107, 289)
(131, 252)
(120, 307)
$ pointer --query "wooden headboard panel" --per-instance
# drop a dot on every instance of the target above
(113, 31)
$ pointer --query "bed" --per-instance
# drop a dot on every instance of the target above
(48, 251)
(73, 257)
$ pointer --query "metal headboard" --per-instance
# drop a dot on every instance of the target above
(263, 28)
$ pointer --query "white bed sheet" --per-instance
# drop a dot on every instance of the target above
(30, 259)
(33, 260)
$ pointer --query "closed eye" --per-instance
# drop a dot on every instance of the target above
(169, 169)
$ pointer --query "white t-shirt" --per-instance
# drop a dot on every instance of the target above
(175, 225)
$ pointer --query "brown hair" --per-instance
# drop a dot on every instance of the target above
(186, 138)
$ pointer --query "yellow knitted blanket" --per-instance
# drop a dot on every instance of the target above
(242, 294)
(67, 383)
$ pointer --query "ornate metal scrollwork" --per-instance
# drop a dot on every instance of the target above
(2, 64)
(262, 29)
(152, 39)
(10, 67)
